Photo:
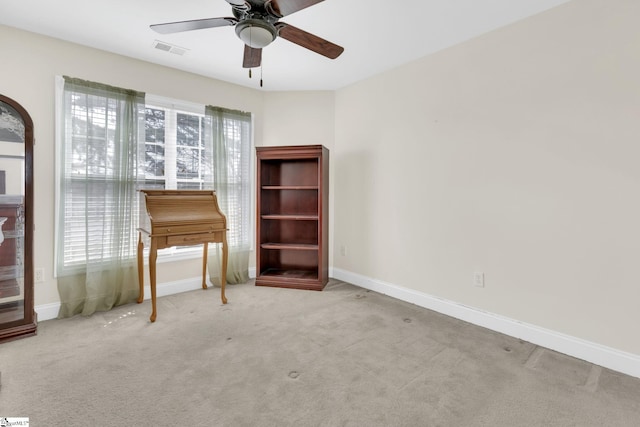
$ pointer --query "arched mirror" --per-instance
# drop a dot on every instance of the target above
(17, 316)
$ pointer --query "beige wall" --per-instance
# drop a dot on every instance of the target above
(515, 154)
(299, 118)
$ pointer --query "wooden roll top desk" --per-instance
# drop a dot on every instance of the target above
(182, 218)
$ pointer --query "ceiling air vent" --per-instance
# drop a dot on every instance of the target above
(167, 47)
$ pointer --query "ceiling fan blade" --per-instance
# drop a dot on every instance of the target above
(239, 4)
(252, 57)
(283, 8)
(309, 41)
(195, 24)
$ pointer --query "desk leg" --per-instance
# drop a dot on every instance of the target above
(223, 272)
(140, 269)
(153, 255)
(204, 265)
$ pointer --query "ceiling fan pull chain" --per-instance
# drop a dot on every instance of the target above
(249, 72)
(260, 75)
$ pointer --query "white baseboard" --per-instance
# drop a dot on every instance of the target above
(601, 355)
(598, 354)
(50, 311)
(47, 311)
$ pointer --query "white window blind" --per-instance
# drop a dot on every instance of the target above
(229, 131)
(237, 130)
(98, 175)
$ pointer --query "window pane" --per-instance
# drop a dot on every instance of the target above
(154, 125)
(154, 160)
(93, 124)
(188, 163)
(155, 138)
(188, 131)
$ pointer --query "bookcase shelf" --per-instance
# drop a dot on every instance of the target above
(289, 187)
(290, 246)
(292, 216)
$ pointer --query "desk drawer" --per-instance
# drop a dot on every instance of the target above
(192, 239)
(188, 229)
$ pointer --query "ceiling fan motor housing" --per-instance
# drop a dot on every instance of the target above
(256, 33)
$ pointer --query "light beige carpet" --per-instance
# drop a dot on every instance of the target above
(278, 357)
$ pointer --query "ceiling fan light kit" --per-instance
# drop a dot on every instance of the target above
(258, 24)
(256, 33)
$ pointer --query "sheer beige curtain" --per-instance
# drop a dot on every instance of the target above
(100, 148)
(228, 147)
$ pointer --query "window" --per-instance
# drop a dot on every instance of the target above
(170, 150)
(174, 146)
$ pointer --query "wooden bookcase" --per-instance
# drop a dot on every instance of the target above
(292, 216)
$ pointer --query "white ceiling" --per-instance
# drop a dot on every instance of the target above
(377, 34)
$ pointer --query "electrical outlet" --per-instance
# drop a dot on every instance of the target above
(39, 276)
(478, 279)
(343, 250)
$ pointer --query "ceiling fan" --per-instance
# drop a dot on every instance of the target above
(258, 24)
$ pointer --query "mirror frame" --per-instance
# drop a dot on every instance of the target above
(26, 326)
